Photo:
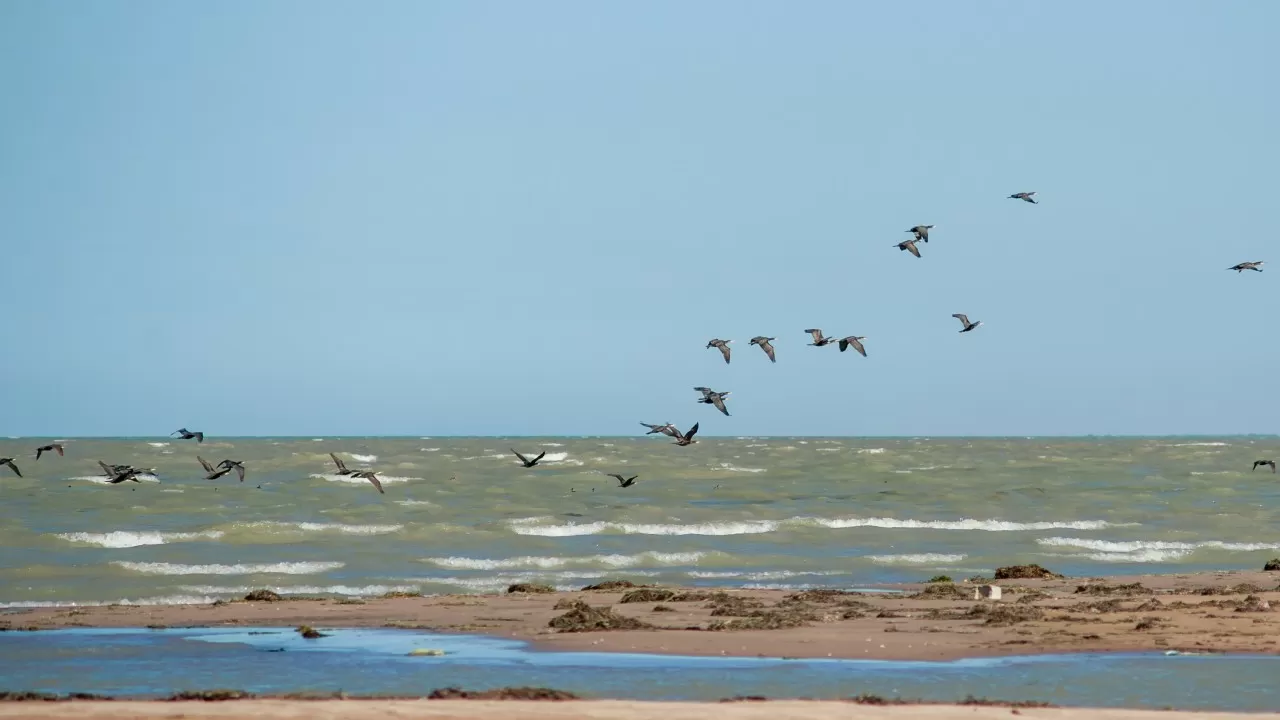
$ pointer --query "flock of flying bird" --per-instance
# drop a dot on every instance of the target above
(920, 233)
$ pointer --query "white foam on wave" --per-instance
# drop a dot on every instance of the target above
(870, 451)
(384, 479)
(731, 468)
(560, 458)
(158, 444)
(349, 590)
(136, 538)
(552, 444)
(363, 458)
(596, 528)
(916, 559)
(533, 561)
(279, 568)
(1199, 444)
(530, 526)
(412, 503)
(1134, 551)
(965, 524)
(429, 449)
(163, 600)
(757, 575)
(329, 527)
(104, 480)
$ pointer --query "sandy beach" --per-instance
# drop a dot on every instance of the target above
(1210, 612)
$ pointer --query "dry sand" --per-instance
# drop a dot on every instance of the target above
(1229, 611)
(576, 710)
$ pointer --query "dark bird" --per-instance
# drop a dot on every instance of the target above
(237, 465)
(624, 482)
(765, 344)
(185, 434)
(117, 474)
(1272, 463)
(212, 473)
(921, 232)
(342, 467)
(711, 397)
(372, 477)
(1255, 265)
(854, 341)
(667, 429)
(48, 448)
(964, 319)
(909, 246)
(14, 468)
(723, 345)
(1024, 196)
(685, 439)
(818, 339)
(527, 462)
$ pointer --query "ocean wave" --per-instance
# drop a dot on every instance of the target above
(328, 527)
(384, 479)
(103, 479)
(1199, 444)
(916, 559)
(1147, 551)
(613, 561)
(279, 568)
(136, 538)
(163, 444)
(528, 526)
(731, 468)
(349, 590)
(163, 600)
(363, 458)
(871, 451)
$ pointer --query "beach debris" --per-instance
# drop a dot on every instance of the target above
(645, 595)
(610, 586)
(399, 594)
(185, 434)
(1272, 565)
(49, 448)
(310, 633)
(940, 579)
(263, 595)
(986, 592)
(427, 652)
(529, 589)
(1000, 615)
(663, 608)
(1021, 572)
(1253, 603)
(943, 591)
(585, 618)
(1030, 596)
(1124, 589)
(722, 345)
(506, 693)
(526, 461)
(1151, 622)
(209, 695)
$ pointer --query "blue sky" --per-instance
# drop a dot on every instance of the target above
(302, 218)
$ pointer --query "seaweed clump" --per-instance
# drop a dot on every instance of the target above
(263, 595)
(309, 632)
(209, 695)
(529, 589)
(1125, 590)
(1026, 572)
(505, 693)
(610, 586)
(584, 618)
(1272, 565)
(941, 591)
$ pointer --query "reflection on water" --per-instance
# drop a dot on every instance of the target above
(377, 662)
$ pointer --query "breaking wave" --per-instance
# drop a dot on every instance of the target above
(529, 526)
(132, 538)
(280, 568)
(612, 561)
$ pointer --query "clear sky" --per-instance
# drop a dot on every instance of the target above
(457, 218)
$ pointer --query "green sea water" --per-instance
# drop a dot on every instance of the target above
(462, 515)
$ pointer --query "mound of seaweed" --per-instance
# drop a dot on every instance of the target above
(1026, 572)
(584, 618)
(506, 693)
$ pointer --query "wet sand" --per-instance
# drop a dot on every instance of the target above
(574, 710)
(1210, 612)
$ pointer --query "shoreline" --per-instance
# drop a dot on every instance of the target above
(1232, 611)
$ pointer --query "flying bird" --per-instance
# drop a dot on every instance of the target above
(908, 245)
(342, 467)
(212, 473)
(667, 429)
(624, 482)
(818, 339)
(723, 345)
(185, 434)
(711, 397)
(117, 474)
(1255, 265)
(765, 344)
(48, 448)
(921, 232)
(14, 468)
(237, 465)
(1024, 196)
(854, 341)
(686, 439)
(964, 319)
(1272, 463)
(372, 477)
(527, 462)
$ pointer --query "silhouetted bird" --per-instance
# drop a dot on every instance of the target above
(711, 397)
(964, 319)
(921, 232)
(372, 477)
(527, 462)
(684, 439)
(48, 448)
(667, 429)
(723, 345)
(14, 468)
(117, 474)
(342, 467)
(185, 434)
(1255, 265)
(818, 339)
(1272, 463)
(1024, 196)
(624, 482)
(909, 246)
(854, 341)
(212, 473)
(237, 465)
(766, 345)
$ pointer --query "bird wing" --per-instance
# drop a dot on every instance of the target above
(540, 455)
(768, 350)
(39, 452)
(179, 431)
(199, 436)
(59, 449)
(724, 350)
(816, 333)
(106, 469)
(239, 471)
(14, 468)
(718, 401)
(706, 391)
(616, 475)
(373, 478)
(523, 459)
(207, 467)
(857, 345)
(117, 479)
(911, 248)
(964, 319)
(844, 344)
(338, 461)
(692, 431)
(1273, 465)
